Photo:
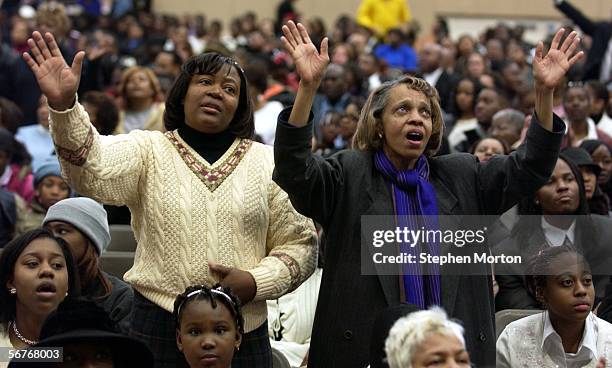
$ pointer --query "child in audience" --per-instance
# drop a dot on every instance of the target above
(425, 339)
(209, 326)
(83, 224)
(36, 274)
(567, 334)
(50, 188)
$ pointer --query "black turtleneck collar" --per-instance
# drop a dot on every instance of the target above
(210, 146)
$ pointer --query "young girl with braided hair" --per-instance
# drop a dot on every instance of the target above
(209, 326)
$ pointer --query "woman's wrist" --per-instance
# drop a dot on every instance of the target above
(61, 105)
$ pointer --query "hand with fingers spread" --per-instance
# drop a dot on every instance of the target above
(310, 63)
(550, 68)
(57, 81)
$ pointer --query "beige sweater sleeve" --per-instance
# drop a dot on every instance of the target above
(291, 247)
(105, 168)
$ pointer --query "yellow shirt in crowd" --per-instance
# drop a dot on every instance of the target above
(382, 15)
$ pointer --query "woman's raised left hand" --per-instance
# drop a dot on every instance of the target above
(309, 63)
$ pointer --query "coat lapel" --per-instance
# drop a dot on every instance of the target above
(381, 204)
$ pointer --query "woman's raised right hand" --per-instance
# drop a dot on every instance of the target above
(57, 81)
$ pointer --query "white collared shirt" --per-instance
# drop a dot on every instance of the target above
(432, 78)
(555, 236)
(587, 349)
(591, 131)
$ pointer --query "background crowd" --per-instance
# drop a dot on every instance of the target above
(133, 57)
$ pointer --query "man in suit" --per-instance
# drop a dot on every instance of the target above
(598, 63)
(430, 59)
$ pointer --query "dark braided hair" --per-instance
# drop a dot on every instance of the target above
(539, 267)
(203, 292)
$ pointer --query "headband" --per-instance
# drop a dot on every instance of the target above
(217, 291)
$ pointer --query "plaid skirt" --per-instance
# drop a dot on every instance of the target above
(155, 327)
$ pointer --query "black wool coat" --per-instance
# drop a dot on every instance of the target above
(338, 190)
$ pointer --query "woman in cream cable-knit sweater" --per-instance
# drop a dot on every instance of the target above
(204, 206)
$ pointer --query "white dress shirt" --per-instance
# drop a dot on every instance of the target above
(432, 78)
(555, 236)
(532, 342)
(587, 349)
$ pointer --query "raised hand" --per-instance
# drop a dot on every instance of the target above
(309, 63)
(57, 81)
(550, 68)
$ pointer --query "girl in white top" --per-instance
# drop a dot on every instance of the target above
(567, 334)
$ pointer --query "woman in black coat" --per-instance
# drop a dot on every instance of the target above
(399, 131)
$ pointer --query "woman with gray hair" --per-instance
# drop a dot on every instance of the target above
(392, 171)
(426, 338)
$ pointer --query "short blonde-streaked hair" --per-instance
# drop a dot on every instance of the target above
(125, 77)
(54, 14)
(370, 123)
(409, 332)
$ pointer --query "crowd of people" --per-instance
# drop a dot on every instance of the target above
(246, 156)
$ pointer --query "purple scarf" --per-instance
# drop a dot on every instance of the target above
(413, 198)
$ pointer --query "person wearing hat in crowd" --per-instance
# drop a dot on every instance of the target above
(50, 188)
(88, 339)
(83, 224)
(598, 200)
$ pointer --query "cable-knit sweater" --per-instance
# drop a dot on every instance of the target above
(186, 212)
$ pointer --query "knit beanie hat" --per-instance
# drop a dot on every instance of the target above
(85, 214)
(50, 167)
